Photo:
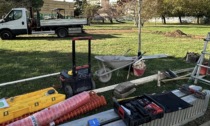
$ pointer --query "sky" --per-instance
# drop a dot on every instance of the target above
(72, 0)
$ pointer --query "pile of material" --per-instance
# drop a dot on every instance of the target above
(176, 33)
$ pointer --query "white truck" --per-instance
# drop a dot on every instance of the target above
(20, 21)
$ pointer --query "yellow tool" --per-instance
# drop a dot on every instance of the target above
(29, 103)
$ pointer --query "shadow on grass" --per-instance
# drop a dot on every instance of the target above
(179, 26)
(16, 65)
(55, 38)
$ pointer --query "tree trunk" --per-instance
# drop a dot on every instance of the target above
(135, 22)
(110, 19)
(142, 24)
(103, 20)
(163, 19)
(198, 20)
(90, 20)
(180, 19)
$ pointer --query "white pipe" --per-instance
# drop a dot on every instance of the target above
(139, 81)
(136, 82)
(28, 79)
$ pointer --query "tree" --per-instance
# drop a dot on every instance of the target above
(6, 5)
(36, 4)
(79, 7)
(148, 9)
(90, 11)
(129, 9)
(107, 11)
(179, 8)
(198, 8)
(164, 8)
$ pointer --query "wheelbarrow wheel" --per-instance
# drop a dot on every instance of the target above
(68, 91)
(104, 78)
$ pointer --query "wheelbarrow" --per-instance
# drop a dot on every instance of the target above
(109, 64)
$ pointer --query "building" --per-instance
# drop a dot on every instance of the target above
(49, 5)
(98, 2)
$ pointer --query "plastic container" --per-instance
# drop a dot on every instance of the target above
(29, 103)
(203, 70)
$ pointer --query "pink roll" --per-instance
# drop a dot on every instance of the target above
(47, 115)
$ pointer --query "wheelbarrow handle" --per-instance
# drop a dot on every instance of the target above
(126, 52)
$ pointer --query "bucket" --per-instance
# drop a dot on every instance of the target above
(203, 70)
(138, 71)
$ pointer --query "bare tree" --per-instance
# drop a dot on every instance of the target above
(90, 11)
(107, 11)
(130, 8)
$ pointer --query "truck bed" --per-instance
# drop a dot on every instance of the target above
(63, 22)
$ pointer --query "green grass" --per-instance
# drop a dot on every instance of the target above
(29, 56)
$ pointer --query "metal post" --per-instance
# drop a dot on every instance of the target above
(139, 27)
(73, 58)
(89, 55)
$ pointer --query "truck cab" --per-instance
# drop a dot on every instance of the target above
(14, 23)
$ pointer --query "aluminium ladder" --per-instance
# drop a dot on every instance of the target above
(196, 72)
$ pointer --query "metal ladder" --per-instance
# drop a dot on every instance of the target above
(196, 72)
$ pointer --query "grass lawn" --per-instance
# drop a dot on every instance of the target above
(29, 56)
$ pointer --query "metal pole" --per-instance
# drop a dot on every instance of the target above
(139, 27)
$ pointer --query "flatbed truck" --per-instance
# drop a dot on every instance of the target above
(20, 21)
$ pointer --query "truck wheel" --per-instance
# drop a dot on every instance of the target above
(6, 34)
(13, 36)
(62, 32)
(68, 91)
